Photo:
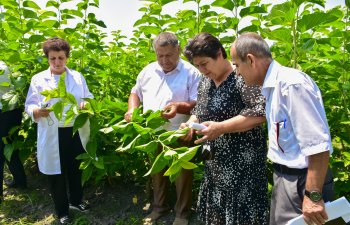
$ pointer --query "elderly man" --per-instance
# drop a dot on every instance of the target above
(299, 138)
(169, 84)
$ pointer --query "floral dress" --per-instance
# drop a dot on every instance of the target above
(234, 188)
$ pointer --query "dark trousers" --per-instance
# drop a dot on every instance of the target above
(70, 147)
(8, 120)
(288, 195)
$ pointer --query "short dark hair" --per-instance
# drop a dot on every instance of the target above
(56, 44)
(165, 39)
(251, 43)
(204, 44)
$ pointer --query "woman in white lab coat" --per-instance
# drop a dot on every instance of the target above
(57, 148)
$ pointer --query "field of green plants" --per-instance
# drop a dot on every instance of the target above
(305, 36)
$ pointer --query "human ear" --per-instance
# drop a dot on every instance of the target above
(251, 59)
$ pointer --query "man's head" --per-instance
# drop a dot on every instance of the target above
(252, 57)
(167, 48)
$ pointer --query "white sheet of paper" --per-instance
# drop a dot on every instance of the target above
(337, 208)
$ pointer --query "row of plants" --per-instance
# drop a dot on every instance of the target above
(304, 34)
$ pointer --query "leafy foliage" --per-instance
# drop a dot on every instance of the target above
(303, 34)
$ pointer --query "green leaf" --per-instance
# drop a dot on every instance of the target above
(99, 163)
(226, 4)
(58, 109)
(130, 146)
(170, 154)
(9, 100)
(347, 3)
(150, 147)
(252, 10)
(164, 2)
(174, 136)
(29, 13)
(31, 4)
(62, 86)
(158, 165)
(313, 20)
(91, 147)
(36, 38)
(80, 121)
(83, 156)
(70, 114)
(142, 130)
(309, 44)
(8, 150)
(86, 174)
(188, 155)
(155, 119)
(136, 117)
(49, 94)
(52, 3)
(282, 14)
(188, 165)
(173, 169)
(71, 99)
(319, 2)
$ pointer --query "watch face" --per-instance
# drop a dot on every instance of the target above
(315, 196)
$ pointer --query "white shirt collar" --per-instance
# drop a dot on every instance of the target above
(271, 77)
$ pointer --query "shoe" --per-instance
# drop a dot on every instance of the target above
(13, 184)
(64, 220)
(180, 221)
(82, 207)
(153, 216)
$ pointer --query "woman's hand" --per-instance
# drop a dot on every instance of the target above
(212, 132)
(39, 112)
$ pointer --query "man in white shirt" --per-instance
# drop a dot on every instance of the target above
(169, 84)
(299, 138)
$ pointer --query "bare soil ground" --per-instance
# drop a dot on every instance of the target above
(114, 203)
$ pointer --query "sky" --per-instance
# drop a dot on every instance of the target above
(122, 14)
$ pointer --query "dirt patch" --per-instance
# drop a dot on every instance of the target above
(114, 203)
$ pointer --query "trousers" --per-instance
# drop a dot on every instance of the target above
(8, 120)
(183, 186)
(70, 147)
(288, 195)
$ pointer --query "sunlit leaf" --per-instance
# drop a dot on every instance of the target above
(80, 121)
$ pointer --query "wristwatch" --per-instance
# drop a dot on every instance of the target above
(315, 196)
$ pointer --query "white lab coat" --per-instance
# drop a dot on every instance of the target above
(47, 141)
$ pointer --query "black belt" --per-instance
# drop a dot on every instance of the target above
(289, 171)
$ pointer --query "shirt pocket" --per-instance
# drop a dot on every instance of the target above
(283, 135)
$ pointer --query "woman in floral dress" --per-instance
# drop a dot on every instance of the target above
(234, 187)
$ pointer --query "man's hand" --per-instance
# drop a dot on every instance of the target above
(188, 137)
(128, 115)
(170, 110)
(212, 132)
(39, 112)
(314, 212)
